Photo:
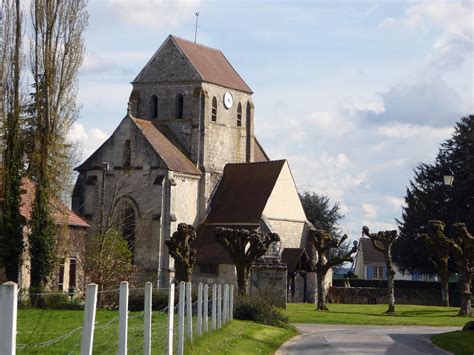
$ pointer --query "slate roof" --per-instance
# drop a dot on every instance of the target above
(371, 255)
(173, 157)
(243, 192)
(211, 65)
(61, 214)
(259, 154)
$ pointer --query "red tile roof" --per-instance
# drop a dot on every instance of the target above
(371, 255)
(174, 158)
(212, 65)
(61, 214)
(258, 152)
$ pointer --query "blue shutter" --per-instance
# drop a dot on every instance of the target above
(370, 272)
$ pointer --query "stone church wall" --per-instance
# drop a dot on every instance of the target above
(290, 232)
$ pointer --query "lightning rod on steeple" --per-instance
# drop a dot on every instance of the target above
(196, 26)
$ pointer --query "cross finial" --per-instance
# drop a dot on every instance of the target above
(196, 26)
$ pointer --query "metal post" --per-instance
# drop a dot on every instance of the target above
(199, 311)
(189, 312)
(214, 303)
(182, 290)
(206, 309)
(123, 318)
(219, 306)
(89, 320)
(170, 319)
(8, 317)
(148, 315)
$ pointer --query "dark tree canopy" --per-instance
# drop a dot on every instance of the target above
(244, 248)
(427, 198)
(179, 246)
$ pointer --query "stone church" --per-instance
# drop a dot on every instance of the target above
(186, 152)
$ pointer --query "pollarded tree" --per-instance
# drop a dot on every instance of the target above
(383, 242)
(326, 247)
(179, 246)
(439, 244)
(462, 244)
(244, 248)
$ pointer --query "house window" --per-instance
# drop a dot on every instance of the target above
(214, 109)
(127, 154)
(179, 106)
(154, 106)
(61, 276)
(210, 269)
(239, 114)
(379, 273)
(72, 272)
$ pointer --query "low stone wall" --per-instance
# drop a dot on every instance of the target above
(372, 295)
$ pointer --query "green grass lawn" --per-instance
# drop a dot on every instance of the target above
(375, 315)
(41, 331)
(459, 343)
(242, 337)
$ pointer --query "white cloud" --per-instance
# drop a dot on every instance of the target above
(369, 210)
(88, 140)
(394, 202)
(94, 64)
(153, 14)
(410, 131)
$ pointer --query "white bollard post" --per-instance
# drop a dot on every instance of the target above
(170, 319)
(219, 306)
(224, 308)
(147, 316)
(182, 291)
(199, 311)
(231, 302)
(123, 318)
(8, 317)
(214, 304)
(189, 312)
(89, 320)
(206, 309)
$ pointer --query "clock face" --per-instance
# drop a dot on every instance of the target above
(228, 100)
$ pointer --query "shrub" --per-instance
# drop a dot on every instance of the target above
(259, 311)
(60, 301)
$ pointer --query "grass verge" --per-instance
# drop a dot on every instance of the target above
(459, 343)
(242, 337)
(359, 314)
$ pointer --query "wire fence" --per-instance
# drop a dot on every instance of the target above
(148, 321)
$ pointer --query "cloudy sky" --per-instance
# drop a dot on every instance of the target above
(354, 94)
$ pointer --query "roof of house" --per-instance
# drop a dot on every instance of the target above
(171, 155)
(371, 255)
(243, 192)
(208, 249)
(212, 65)
(296, 259)
(61, 214)
(259, 154)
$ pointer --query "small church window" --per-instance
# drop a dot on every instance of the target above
(179, 106)
(127, 154)
(128, 226)
(214, 109)
(239, 114)
(154, 106)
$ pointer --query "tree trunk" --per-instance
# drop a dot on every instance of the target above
(242, 277)
(444, 278)
(321, 302)
(182, 273)
(390, 288)
(465, 293)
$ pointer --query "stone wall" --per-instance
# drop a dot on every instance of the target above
(269, 283)
(225, 275)
(372, 295)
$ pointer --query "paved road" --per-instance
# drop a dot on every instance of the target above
(354, 339)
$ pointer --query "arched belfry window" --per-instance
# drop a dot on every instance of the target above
(239, 114)
(179, 106)
(154, 106)
(248, 140)
(214, 109)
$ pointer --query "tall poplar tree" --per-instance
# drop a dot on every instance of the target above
(56, 54)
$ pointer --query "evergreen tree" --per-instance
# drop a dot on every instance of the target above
(427, 198)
